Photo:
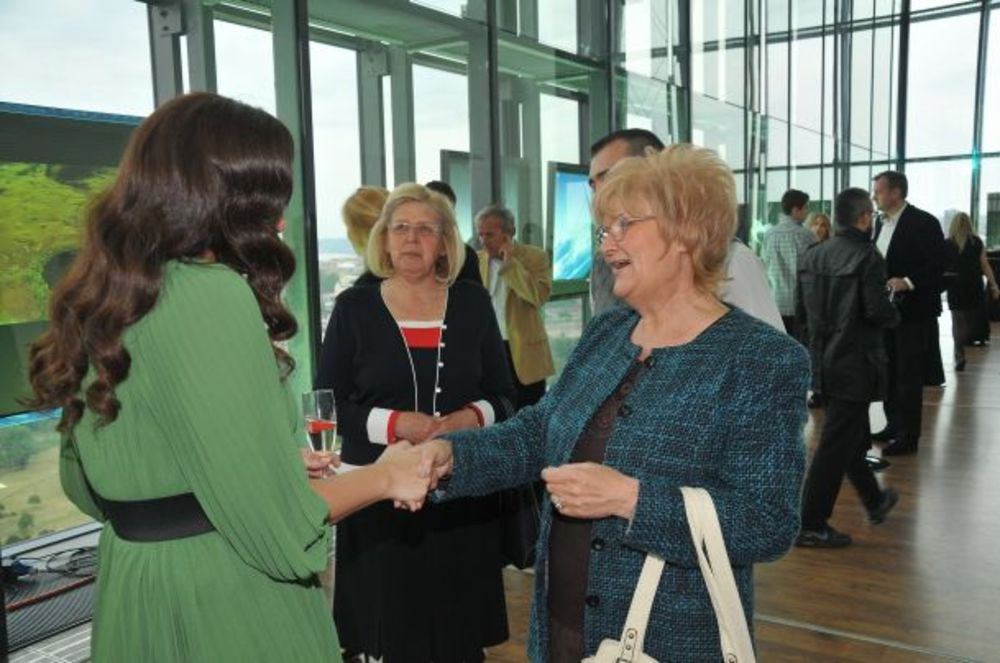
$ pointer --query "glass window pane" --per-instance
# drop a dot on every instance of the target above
(807, 100)
(560, 132)
(777, 15)
(991, 105)
(440, 117)
(884, 104)
(453, 7)
(917, 5)
(337, 159)
(777, 142)
(557, 24)
(76, 55)
(718, 126)
(712, 20)
(937, 186)
(942, 84)
(989, 203)
(777, 185)
(777, 80)
(807, 14)
(244, 64)
(861, 97)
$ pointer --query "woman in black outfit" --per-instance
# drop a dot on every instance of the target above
(410, 357)
(967, 264)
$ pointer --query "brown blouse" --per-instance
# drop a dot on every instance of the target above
(569, 540)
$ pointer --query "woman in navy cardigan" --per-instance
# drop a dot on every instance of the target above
(677, 390)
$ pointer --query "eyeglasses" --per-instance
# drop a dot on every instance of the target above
(423, 230)
(619, 227)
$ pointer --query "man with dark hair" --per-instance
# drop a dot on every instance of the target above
(842, 294)
(444, 189)
(915, 254)
(519, 279)
(782, 248)
(470, 268)
(745, 285)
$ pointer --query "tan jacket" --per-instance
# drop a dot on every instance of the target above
(529, 282)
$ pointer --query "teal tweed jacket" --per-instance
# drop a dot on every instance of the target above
(725, 412)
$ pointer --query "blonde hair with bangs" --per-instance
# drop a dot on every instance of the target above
(448, 266)
(693, 194)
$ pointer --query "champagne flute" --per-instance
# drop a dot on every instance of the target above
(320, 412)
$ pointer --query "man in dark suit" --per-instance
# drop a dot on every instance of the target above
(841, 293)
(914, 248)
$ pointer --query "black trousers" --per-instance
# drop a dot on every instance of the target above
(907, 347)
(964, 324)
(933, 366)
(527, 394)
(842, 448)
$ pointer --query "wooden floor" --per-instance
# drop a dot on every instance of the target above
(924, 585)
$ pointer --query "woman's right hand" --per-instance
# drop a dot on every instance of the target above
(406, 484)
(416, 426)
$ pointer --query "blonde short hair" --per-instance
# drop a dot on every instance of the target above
(449, 265)
(360, 212)
(693, 194)
(819, 218)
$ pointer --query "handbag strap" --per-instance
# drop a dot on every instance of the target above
(634, 631)
(706, 534)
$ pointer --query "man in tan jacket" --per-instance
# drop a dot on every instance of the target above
(519, 279)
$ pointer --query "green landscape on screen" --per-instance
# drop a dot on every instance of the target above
(41, 211)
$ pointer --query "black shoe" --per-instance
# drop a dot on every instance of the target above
(900, 448)
(882, 509)
(959, 365)
(815, 401)
(884, 435)
(825, 538)
(876, 464)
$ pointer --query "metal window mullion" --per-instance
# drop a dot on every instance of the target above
(200, 30)
(977, 123)
(404, 158)
(902, 89)
(165, 28)
(372, 66)
(290, 42)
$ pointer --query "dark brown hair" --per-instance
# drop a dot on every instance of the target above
(203, 175)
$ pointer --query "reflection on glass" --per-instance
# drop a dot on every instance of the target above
(560, 133)
(557, 24)
(718, 126)
(942, 84)
(988, 225)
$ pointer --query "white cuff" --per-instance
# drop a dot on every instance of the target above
(909, 282)
(378, 425)
(485, 411)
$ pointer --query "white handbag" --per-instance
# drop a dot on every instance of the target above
(734, 636)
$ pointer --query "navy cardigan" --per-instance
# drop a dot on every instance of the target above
(725, 412)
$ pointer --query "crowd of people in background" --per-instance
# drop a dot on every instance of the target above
(166, 354)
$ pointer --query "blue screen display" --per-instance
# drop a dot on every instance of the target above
(573, 231)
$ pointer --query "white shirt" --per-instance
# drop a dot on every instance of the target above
(746, 286)
(498, 293)
(889, 222)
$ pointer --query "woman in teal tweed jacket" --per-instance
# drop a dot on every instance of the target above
(720, 404)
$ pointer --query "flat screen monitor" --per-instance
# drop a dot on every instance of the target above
(570, 228)
(52, 163)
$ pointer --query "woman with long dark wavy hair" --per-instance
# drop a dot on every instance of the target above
(179, 432)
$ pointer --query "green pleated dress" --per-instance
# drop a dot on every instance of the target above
(203, 410)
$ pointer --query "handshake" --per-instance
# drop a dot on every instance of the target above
(404, 473)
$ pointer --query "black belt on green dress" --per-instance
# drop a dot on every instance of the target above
(161, 519)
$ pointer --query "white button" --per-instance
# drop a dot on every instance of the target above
(444, 326)
(440, 364)
(442, 345)
(437, 390)
(437, 414)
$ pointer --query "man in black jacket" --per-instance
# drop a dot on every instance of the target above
(915, 255)
(842, 295)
